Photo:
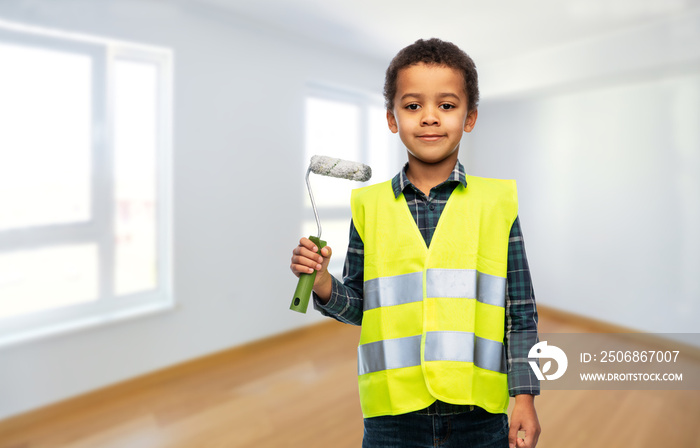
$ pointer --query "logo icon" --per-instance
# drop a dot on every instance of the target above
(542, 350)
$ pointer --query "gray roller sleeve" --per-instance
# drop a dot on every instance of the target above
(343, 169)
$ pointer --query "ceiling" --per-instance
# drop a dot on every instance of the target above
(487, 30)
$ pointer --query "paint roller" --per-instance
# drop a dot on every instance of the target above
(324, 166)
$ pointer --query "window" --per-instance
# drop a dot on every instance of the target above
(84, 181)
(350, 126)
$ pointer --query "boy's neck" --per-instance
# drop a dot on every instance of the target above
(426, 176)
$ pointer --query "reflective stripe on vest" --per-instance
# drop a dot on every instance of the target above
(401, 289)
(439, 346)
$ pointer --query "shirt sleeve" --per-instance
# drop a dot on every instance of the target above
(345, 303)
(521, 317)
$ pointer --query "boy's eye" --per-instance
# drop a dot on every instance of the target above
(447, 106)
(412, 107)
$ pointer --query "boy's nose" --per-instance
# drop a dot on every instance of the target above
(429, 117)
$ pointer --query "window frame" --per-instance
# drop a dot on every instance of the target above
(365, 101)
(99, 229)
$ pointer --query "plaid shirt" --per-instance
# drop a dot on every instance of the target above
(345, 303)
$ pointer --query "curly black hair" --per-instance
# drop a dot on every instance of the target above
(433, 51)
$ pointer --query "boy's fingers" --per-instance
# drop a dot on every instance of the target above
(305, 263)
(301, 269)
(307, 243)
(312, 260)
(512, 435)
(305, 260)
(306, 253)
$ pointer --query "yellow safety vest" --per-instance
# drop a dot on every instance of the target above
(433, 322)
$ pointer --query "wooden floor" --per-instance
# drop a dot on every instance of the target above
(300, 390)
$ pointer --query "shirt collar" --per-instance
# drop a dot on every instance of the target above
(400, 181)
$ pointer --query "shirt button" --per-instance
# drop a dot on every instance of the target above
(432, 207)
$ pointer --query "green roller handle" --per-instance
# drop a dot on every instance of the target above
(300, 301)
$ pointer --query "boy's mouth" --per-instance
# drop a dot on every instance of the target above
(430, 137)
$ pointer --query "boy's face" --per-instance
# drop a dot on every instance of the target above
(430, 112)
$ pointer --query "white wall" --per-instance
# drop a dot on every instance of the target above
(238, 191)
(607, 157)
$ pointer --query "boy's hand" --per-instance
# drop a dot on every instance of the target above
(524, 418)
(305, 260)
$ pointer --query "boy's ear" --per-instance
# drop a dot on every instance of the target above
(471, 120)
(391, 120)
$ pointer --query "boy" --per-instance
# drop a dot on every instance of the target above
(437, 276)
